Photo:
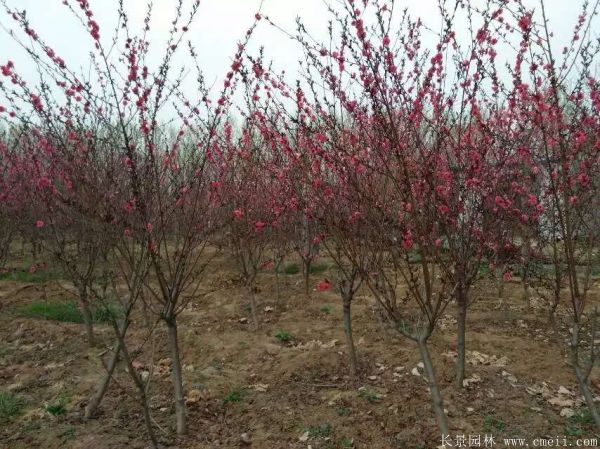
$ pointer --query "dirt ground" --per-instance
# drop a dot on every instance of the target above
(245, 388)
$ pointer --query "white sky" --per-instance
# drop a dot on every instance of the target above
(219, 25)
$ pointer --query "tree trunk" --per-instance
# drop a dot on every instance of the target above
(526, 270)
(94, 403)
(306, 264)
(552, 314)
(88, 318)
(526, 292)
(436, 396)
(277, 286)
(500, 284)
(141, 387)
(554, 306)
(253, 305)
(176, 375)
(347, 302)
(582, 380)
(461, 300)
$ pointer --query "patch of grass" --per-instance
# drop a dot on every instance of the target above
(322, 431)
(57, 407)
(415, 257)
(484, 270)
(291, 268)
(105, 314)
(63, 311)
(234, 396)
(11, 406)
(318, 268)
(491, 424)
(578, 422)
(283, 336)
(573, 431)
(27, 277)
(217, 364)
(582, 418)
(346, 443)
(31, 426)
(70, 433)
(369, 395)
(343, 411)
(326, 308)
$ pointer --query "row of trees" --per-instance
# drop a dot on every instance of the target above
(413, 158)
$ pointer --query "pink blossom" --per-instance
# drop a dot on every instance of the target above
(36, 102)
(407, 240)
(39, 224)
(128, 206)
(525, 22)
(481, 36)
(501, 202)
(267, 265)
(583, 179)
(443, 209)
(324, 285)
(43, 183)
(355, 217)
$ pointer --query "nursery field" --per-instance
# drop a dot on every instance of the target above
(285, 385)
(359, 225)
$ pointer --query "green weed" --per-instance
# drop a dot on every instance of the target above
(64, 311)
(11, 406)
(284, 336)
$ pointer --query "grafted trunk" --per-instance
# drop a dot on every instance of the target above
(582, 379)
(462, 303)
(500, 284)
(554, 305)
(306, 264)
(552, 313)
(96, 399)
(141, 387)
(277, 285)
(436, 395)
(253, 305)
(176, 375)
(347, 303)
(88, 317)
(526, 270)
(526, 290)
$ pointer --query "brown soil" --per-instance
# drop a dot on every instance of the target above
(245, 382)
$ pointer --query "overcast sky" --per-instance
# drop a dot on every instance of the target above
(219, 25)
